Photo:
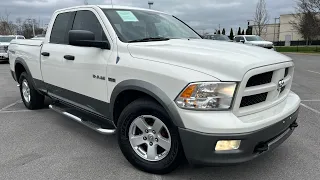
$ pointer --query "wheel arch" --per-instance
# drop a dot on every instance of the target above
(148, 89)
(21, 66)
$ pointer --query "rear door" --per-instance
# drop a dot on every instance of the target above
(82, 81)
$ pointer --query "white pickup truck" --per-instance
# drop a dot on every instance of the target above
(167, 94)
(4, 44)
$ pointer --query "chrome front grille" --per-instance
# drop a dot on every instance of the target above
(259, 79)
(263, 87)
(253, 99)
(286, 72)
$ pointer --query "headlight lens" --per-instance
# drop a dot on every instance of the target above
(207, 96)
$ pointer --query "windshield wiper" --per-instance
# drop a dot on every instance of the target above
(150, 39)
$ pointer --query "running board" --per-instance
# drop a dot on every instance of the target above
(85, 122)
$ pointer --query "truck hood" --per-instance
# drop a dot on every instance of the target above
(260, 42)
(223, 60)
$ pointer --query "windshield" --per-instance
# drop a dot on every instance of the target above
(6, 39)
(133, 25)
(221, 37)
(254, 38)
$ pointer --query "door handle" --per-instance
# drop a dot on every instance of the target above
(69, 57)
(45, 54)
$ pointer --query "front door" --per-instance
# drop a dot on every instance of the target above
(74, 74)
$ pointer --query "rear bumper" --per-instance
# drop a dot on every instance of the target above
(200, 147)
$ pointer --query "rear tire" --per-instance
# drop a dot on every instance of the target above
(31, 98)
(165, 161)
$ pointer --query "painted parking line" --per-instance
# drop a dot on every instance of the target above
(10, 105)
(5, 109)
(314, 72)
(18, 111)
(310, 108)
(310, 100)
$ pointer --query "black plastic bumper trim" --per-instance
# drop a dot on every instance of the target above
(13, 75)
(199, 147)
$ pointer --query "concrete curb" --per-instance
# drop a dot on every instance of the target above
(297, 53)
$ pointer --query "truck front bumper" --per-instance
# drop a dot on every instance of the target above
(4, 56)
(259, 132)
(199, 147)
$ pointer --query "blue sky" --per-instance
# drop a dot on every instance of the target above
(200, 14)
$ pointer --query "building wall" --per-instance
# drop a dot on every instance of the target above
(269, 33)
(287, 30)
(283, 30)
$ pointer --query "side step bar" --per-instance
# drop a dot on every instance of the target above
(87, 123)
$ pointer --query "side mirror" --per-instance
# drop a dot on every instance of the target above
(86, 39)
(242, 41)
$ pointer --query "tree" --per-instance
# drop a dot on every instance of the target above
(239, 31)
(28, 26)
(223, 31)
(231, 34)
(242, 32)
(307, 20)
(6, 26)
(261, 17)
(219, 32)
(19, 24)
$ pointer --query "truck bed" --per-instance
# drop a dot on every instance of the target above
(27, 51)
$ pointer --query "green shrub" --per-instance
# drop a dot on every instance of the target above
(307, 49)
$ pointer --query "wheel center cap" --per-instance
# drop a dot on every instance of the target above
(150, 137)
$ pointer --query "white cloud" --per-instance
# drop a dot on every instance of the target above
(200, 14)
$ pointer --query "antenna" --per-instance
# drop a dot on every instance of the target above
(111, 3)
(150, 4)
(85, 2)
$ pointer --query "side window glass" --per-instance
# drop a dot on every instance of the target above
(237, 39)
(87, 20)
(242, 38)
(60, 29)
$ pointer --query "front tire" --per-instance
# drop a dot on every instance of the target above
(31, 98)
(148, 138)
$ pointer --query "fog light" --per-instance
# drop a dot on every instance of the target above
(225, 145)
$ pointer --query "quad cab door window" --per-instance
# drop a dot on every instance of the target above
(87, 20)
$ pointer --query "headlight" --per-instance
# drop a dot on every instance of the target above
(207, 96)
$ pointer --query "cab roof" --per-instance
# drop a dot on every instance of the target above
(112, 7)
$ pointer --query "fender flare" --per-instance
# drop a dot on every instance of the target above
(152, 91)
(21, 61)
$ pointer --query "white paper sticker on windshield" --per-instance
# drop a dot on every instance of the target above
(127, 16)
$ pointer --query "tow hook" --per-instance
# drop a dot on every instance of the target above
(294, 125)
(262, 147)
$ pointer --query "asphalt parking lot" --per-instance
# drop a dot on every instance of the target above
(45, 145)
